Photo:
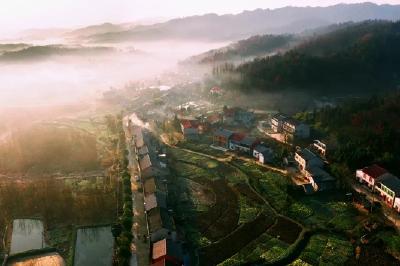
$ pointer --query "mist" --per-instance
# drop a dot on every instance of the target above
(65, 79)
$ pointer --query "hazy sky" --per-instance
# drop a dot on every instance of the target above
(22, 14)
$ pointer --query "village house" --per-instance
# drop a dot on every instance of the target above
(167, 251)
(306, 158)
(370, 175)
(237, 116)
(388, 187)
(263, 154)
(213, 119)
(216, 91)
(160, 225)
(190, 129)
(396, 204)
(290, 127)
(319, 147)
(143, 151)
(148, 169)
(154, 200)
(277, 122)
(320, 179)
(242, 143)
(152, 185)
(296, 129)
(221, 138)
(137, 136)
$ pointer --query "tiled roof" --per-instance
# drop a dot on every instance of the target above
(159, 249)
(155, 200)
(223, 132)
(150, 186)
(143, 150)
(307, 155)
(159, 218)
(238, 136)
(320, 175)
(145, 162)
(279, 117)
(374, 171)
(392, 182)
(189, 123)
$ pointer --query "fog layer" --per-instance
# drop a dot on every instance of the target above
(60, 78)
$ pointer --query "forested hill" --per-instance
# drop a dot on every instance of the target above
(360, 57)
(251, 47)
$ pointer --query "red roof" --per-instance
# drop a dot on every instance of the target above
(238, 136)
(229, 112)
(214, 118)
(374, 171)
(216, 89)
(159, 249)
(189, 123)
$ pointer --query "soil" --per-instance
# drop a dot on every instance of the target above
(285, 230)
(222, 218)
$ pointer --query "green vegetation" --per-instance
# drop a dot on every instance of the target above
(327, 250)
(253, 46)
(373, 127)
(365, 62)
(48, 149)
(120, 168)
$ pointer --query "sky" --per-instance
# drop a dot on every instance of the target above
(17, 15)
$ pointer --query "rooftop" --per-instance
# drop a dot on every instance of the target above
(223, 132)
(150, 186)
(238, 136)
(155, 200)
(145, 162)
(189, 123)
(143, 150)
(307, 155)
(320, 175)
(392, 182)
(280, 117)
(159, 218)
(374, 171)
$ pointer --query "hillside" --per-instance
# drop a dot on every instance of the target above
(251, 47)
(360, 57)
(45, 51)
(95, 29)
(11, 47)
(249, 23)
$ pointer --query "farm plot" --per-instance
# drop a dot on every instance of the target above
(264, 247)
(325, 249)
(325, 213)
(231, 244)
(285, 230)
(222, 218)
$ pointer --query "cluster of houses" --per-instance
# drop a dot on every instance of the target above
(380, 181)
(165, 247)
(224, 139)
(192, 127)
(311, 165)
(289, 127)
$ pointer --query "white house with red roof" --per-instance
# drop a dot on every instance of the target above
(216, 91)
(370, 175)
(190, 128)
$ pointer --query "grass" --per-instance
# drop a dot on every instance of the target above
(248, 211)
(325, 212)
(272, 186)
